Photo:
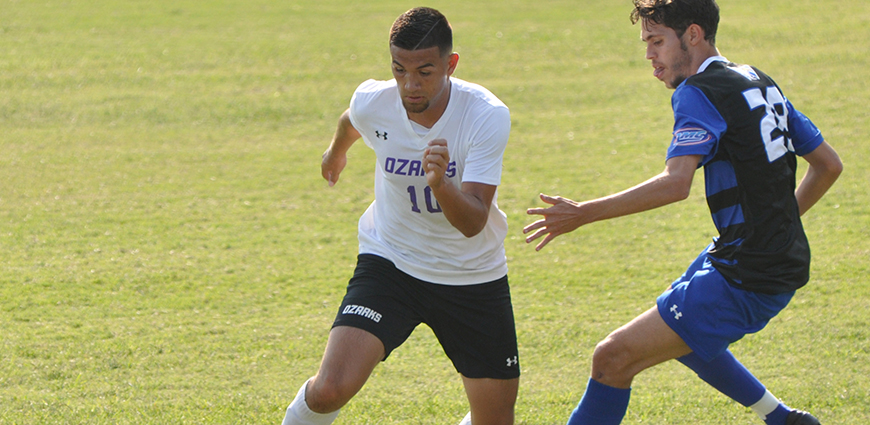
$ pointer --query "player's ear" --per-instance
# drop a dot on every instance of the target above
(696, 34)
(452, 61)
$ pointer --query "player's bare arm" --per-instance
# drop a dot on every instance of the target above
(564, 215)
(825, 167)
(335, 157)
(466, 208)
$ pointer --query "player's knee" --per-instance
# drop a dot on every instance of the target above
(605, 358)
(327, 395)
(611, 363)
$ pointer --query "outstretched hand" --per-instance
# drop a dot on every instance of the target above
(562, 217)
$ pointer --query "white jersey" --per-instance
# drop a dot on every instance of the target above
(405, 224)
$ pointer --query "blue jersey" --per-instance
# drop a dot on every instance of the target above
(748, 134)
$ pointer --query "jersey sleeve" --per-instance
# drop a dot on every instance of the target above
(805, 136)
(484, 161)
(698, 125)
(362, 96)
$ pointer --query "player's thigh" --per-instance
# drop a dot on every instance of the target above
(641, 343)
(709, 313)
(475, 326)
(350, 357)
(380, 300)
(492, 400)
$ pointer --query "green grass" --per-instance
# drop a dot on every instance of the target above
(170, 254)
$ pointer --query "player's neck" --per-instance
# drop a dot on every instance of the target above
(702, 56)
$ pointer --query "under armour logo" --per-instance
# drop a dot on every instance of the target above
(677, 314)
(512, 361)
(381, 135)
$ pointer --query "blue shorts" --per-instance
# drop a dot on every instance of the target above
(709, 314)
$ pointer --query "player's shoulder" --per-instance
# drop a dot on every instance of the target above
(374, 93)
(373, 89)
(729, 76)
(375, 86)
(476, 94)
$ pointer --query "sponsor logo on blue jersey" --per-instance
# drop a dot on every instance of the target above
(746, 71)
(691, 136)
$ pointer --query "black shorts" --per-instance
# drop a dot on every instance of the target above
(473, 323)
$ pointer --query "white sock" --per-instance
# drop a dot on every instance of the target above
(766, 405)
(466, 420)
(298, 412)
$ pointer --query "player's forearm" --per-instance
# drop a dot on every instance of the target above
(825, 167)
(656, 192)
(669, 186)
(345, 135)
(465, 211)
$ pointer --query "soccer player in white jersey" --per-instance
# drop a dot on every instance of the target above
(431, 245)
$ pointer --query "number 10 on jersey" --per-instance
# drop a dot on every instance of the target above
(431, 203)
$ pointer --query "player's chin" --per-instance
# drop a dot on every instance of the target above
(675, 82)
(415, 108)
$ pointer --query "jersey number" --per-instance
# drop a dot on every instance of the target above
(774, 124)
(431, 203)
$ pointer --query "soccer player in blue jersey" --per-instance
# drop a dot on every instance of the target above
(735, 122)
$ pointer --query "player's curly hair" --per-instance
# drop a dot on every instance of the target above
(422, 28)
(679, 15)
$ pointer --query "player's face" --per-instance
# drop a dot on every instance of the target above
(423, 77)
(668, 53)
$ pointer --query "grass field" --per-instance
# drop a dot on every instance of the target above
(170, 255)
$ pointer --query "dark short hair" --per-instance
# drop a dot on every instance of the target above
(422, 28)
(679, 15)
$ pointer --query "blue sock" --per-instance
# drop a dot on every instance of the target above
(728, 376)
(601, 405)
(731, 378)
(778, 416)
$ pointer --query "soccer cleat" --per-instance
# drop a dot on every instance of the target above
(799, 417)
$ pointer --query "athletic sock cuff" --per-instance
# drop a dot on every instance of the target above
(604, 401)
(299, 413)
(766, 405)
